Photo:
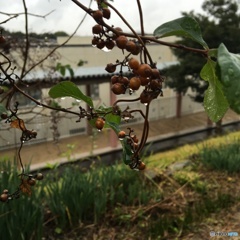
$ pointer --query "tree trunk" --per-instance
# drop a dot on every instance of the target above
(178, 104)
(218, 129)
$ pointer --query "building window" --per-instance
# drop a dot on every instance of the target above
(23, 101)
(94, 90)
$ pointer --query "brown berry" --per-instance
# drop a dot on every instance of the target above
(97, 29)
(141, 165)
(31, 181)
(4, 197)
(39, 176)
(155, 84)
(106, 13)
(118, 88)
(111, 68)
(144, 81)
(136, 50)
(95, 41)
(109, 44)
(144, 70)
(5, 191)
(33, 133)
(101, 44)
(134, 138)
(119, 31)
(121, 42)
(145, 97)
(130, 46)
(99, 123)
(133, 63)
(114, 79)
(123, 80)
(121, 135)
(134, 83)
(97, 15)
(155, 73)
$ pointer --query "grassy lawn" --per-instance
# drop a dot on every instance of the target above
(183, 194)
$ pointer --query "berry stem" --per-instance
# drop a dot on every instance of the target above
(142, 26)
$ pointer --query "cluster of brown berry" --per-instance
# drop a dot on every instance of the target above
(27, 181)
(142, 74)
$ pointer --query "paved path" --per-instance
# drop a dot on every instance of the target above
(83, 146)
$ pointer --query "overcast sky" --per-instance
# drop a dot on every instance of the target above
(67, 15)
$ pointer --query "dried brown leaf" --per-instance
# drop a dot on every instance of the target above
(18, 123)
(25, 187)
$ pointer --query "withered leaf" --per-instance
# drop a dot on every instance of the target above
(25, 187)
(18, 123)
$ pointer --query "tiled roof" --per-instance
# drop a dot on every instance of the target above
(79, 73)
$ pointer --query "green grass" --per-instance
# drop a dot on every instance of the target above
(128, 200)
(224, 157)
(163, 159)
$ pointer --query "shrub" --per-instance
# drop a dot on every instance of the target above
(224, 157)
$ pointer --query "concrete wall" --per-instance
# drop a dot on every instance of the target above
(79, 48)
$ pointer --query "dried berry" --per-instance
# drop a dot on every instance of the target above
(39, 176)
(133, 63)
(144, 70)
(121, 42)
(99, 123)
(114, 79)
(135, 83)
(4, 197)
(97, 15)
(123, 80)
(130, 46)
(109, 44)
(118, 88)
(134, 138)
(106, 13)
(97, 29)
(111, 68)
(155, 84)
(119, 31)
(145, 97)
(136, 50)
(31, 181)
(144, 81)
(101, 44)
(156, 73)
(141, 165)
(121, 135)
(95, 41)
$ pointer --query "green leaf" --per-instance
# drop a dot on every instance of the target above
(69, 89)
(71, 72)
(215, 103)
(185, 27)
(229, 70)
(62, 70)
